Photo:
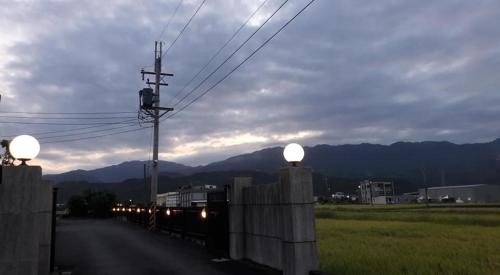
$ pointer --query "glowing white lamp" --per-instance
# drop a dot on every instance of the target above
(24, 148)
(293, 153)
(203, 213)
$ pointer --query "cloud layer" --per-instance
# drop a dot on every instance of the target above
(342, 72)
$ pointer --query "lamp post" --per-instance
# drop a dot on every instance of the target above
(293, 153)
(24, 148)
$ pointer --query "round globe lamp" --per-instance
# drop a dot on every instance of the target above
(293, 153)
(24, 148)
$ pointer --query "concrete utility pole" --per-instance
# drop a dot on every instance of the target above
(151, 106)
(154, 172)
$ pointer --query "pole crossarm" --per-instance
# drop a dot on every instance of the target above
(153, 73)
(150, 111)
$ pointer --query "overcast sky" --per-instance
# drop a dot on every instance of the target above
(344, 72)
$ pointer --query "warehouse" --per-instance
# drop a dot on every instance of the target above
(466, 193)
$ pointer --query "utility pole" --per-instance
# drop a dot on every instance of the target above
(150, 105)
(154, 176)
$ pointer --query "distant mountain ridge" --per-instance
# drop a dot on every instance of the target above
(421, 163)
(117, 173)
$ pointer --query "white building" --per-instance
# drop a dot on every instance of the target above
(376, 192)
(170, 199)
(194, 195)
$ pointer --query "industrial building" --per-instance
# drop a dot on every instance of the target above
(169, 199)
(376, 191)
(187, 196)
(465, 193)
(194, 195)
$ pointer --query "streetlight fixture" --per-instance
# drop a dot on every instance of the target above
(24, 148)
(293, 153)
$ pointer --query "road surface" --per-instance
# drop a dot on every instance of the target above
(109, 247)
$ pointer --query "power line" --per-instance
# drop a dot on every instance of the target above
(66, 113)
(219, 51)
(169, 20)
(71, 118)
(56, 123)
(232, 54)
(89, 132)
(75, 129)
(184, 28)
(240, 64)
(93, 137)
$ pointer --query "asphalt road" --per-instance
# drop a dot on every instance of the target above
(108, 247)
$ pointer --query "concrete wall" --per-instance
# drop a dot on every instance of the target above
(25, 221)
(273, 224)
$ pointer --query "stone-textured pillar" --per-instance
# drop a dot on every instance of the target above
(23, 227)
(237, 218)
(45, 225)
(298, 224)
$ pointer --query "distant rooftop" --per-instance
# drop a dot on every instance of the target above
(456, 186)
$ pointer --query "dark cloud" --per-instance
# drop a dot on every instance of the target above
(343, 72)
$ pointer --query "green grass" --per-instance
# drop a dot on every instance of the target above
(408, 240)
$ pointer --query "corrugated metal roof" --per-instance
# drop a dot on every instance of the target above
(456, 186)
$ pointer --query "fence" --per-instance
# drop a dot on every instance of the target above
(186, 221)
(208, 224)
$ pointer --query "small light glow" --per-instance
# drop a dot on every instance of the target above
(138, 210)
(24, 147)
(123, 209)
(130, 210)
(167, 212)
(293, 153)
(149, 211)
(114, 209)
(204, 213)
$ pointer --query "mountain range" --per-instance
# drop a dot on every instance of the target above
(442, 163)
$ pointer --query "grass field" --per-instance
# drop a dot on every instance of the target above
(409, 239)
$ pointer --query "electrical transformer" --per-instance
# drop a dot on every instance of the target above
(146, 97)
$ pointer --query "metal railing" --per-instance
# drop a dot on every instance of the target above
(185, 221)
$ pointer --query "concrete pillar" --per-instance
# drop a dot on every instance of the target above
(24, 232)
(299, 255)
(237, 218)
(45, 225)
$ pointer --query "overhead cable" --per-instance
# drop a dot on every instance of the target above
(219, 51)
(241, 63)
(184, 28)
(169, 20)
(231, 55)
(93, 137)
